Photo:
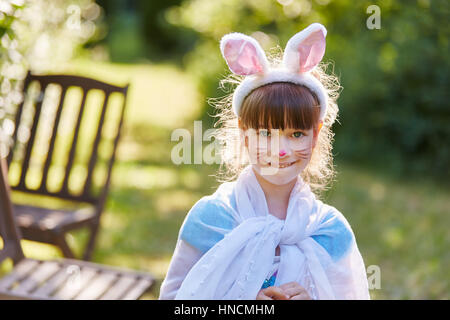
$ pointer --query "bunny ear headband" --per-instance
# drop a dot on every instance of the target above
(244, 56)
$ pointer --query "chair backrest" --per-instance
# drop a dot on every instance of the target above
(50, 122)
(9, 232)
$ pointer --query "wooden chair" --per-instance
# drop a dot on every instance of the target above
(65, 279)
(50, 225)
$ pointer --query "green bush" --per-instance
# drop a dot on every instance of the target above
(394, 106)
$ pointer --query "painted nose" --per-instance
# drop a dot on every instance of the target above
(282, 153)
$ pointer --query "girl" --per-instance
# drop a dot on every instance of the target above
(265, 235)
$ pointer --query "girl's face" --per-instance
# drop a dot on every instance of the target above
(279, 156)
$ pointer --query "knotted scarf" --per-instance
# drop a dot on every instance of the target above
(317, 248)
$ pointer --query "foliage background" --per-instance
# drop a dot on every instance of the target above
(394, 106)
(391, 144)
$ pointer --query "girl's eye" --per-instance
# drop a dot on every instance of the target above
(264, 133)
(297, 134)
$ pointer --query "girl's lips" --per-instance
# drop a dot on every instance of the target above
(284, 164)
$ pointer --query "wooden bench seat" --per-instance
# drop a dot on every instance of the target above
(68, 279)
(34, 220)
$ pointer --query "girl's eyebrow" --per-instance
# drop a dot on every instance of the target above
(295, 130)
(285, 130)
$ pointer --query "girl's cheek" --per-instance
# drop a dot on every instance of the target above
(304, 144)
(252, 149)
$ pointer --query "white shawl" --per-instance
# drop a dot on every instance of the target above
(236, 266)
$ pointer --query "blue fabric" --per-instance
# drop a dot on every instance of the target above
(197, 230)
(269, 282)
(212, 211)
(335, 237)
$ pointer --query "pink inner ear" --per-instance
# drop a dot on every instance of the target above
(311, 51)
(242, 57)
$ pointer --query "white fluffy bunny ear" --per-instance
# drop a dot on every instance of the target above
(305, 49)
(243, 54)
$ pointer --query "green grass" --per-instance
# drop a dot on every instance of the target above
(400, 225)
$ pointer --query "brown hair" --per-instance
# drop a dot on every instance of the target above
(278, 105)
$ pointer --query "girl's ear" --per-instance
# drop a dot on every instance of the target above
(305, 49)
(243, 136)
(241, 126)
(243, 54)
(316, 132)
(319, 126)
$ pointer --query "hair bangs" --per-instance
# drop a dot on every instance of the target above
(280, 105)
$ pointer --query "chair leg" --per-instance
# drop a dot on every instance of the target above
(61, 242)
(16, 258)
(91, 242)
